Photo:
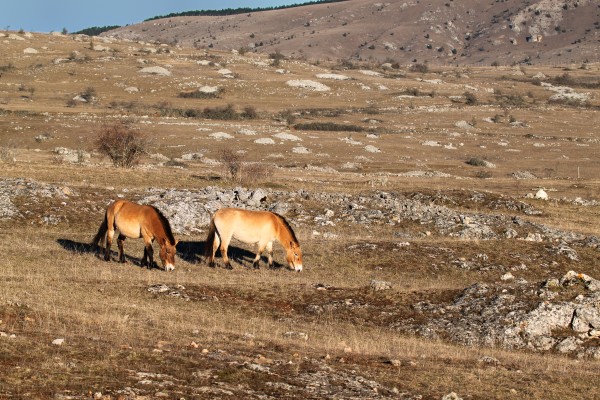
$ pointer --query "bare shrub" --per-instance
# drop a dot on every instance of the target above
(470, 98)
(421, 68)
(483, 174)
(277, 57)
(288, 116)
(89, 94)
(510, 100)
(226, 113)
(249, 113)
(122, 145)
(253, 173)
(6, 155)
(232, 163)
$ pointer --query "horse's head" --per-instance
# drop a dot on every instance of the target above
(167, 255)
(294, 256)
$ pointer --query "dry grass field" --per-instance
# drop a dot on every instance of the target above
(473, 142)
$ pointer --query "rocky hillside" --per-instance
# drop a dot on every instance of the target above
(451, 32)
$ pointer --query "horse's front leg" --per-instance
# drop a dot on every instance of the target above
(148, 260)
(120, 241)
(270, 254)
(259, 249)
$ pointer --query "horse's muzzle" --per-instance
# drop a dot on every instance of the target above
(169, 267)
(298, 268)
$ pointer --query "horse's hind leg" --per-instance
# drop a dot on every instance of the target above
(215, 247)
(109, 238)
(120, 241)
(224, 246)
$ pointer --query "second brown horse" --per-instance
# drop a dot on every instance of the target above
(138, 221)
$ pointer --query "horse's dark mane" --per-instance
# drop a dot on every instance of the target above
(165, 223)
(288, 226)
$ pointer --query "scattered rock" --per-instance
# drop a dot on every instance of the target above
(380, 285)
(541, 194)
(307, 84)
(337, 77)
(155, 71)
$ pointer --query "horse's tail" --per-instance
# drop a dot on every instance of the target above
(210, 238)
(101, 231)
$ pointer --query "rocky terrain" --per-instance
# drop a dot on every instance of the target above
(451, 32)
(448, 220)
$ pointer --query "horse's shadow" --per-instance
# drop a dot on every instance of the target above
(190, 251)
(194, 252)
(87, 248)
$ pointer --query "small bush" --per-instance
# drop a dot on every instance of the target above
(253, 173)
(511, 100)
(328, 126)
(89, 94)
(198, 94)
(232, 163)
(249, 113)
(476, 162)
(483, 174)
(421, 68)
(7, 67)
(122, 145)
(470, 98)
(288, 116)
(6, 155)
(277, 57)
(226, 113)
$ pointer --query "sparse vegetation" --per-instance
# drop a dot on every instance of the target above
(122, 145)
(420, 68)
(476, 162)
(232, 163)
(470, 98)
(254, 173)
(200, 94)
(328, 126)
(89, 94)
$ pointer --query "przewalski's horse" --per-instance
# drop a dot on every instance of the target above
(134, 221)
(260, 227)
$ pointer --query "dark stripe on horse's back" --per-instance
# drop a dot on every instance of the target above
(288, 226)
(166, 225)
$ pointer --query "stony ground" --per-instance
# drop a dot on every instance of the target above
(449, 248)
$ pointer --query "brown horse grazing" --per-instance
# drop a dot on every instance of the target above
(134, 221)
(260, 227)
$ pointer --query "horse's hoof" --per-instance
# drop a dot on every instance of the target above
(256, 265)
(228, 266)
(211, 264)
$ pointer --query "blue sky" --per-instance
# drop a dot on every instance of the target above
(74, 15)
